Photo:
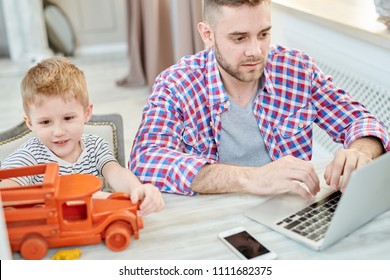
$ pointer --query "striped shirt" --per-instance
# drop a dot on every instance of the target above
(96, 153)
(180, 129)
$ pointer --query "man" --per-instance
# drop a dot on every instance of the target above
(238, 116)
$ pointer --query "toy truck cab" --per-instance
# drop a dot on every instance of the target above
(61, 212)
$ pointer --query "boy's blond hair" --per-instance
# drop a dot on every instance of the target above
(54, 77)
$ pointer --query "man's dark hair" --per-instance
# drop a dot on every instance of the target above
(211, 8)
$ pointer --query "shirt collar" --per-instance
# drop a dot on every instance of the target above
(268, 85)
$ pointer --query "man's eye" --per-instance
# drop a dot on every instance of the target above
(264, 35)
(238, 39)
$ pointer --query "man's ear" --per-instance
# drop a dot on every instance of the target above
(28, 122)
(88, 113)
(206, 33)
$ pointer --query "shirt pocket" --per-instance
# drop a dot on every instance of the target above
(298, 122)
(195, 141)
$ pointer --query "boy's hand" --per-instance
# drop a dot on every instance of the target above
(152, 200)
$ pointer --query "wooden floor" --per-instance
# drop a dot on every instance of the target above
(101, 73)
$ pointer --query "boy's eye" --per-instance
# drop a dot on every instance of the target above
(69, 118)
(45, 122)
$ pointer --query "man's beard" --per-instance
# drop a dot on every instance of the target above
(242, 77)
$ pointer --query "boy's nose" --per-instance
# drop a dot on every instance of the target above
(58, 130)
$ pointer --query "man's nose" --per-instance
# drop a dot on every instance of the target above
(253, 48)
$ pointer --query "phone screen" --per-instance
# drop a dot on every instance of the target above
(246, 245)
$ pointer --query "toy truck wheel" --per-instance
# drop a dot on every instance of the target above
(34, 247)
(118, 236)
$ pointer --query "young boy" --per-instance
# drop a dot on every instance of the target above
(56, 106)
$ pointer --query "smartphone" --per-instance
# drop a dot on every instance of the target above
(247, 247)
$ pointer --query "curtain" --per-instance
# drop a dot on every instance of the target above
(159, 33)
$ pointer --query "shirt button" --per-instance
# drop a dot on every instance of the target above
(300, 125)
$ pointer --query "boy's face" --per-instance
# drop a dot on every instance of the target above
(59, 125)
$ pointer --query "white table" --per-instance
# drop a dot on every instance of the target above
(187, 229)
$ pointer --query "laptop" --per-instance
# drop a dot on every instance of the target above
(332, 215)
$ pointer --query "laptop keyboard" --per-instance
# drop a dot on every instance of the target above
(313, 221)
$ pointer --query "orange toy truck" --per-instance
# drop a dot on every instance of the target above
(62, 212)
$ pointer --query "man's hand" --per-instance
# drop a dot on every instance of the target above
(283, 175)
(287, 174)
(360, 153)
(343, 164)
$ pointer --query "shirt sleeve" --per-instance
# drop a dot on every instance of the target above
(342, 117)
(19, 158)
(102, 152)
(157, 156)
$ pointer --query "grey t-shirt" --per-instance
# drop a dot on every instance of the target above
(241, 142)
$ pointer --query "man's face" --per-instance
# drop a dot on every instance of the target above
(241, 39)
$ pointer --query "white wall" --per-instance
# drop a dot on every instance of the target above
(3, 36)
(99, 25)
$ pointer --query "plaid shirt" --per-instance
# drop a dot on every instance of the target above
(181, 122)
